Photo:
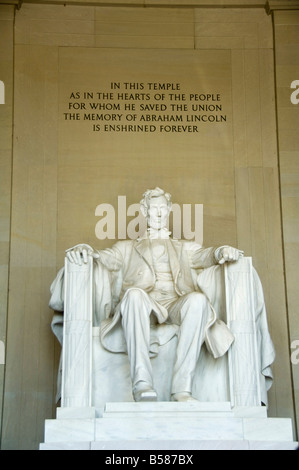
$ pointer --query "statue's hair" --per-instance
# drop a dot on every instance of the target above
(151, 193)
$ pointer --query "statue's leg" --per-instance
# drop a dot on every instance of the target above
(135, 310)
(191, 313)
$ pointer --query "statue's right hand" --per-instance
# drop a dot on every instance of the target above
(79, 253)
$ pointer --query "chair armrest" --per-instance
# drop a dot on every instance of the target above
(244, 369)
(77, 335)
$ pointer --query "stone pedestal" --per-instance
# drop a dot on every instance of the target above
(167, 426)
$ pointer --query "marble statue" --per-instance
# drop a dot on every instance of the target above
(155, 281)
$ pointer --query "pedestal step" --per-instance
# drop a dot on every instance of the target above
(170, 424)
(183, 410)
(174, 447)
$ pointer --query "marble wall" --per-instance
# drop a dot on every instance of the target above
(56, 179)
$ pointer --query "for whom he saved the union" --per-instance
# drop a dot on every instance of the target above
(159, 286)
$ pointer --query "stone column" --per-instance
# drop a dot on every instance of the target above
(286, 39)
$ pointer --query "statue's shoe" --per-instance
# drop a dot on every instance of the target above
(145, 393)
(183, 397)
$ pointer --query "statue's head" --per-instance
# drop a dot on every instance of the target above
(155, 206)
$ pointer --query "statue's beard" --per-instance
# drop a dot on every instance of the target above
(157, 224)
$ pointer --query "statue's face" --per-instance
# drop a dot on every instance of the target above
(158, 213)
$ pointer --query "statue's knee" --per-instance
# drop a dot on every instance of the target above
(134, 295)
(197, 299)
(134, 303)
(197, 305)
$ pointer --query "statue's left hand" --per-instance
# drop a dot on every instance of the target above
(228, 254)
(79, 253)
